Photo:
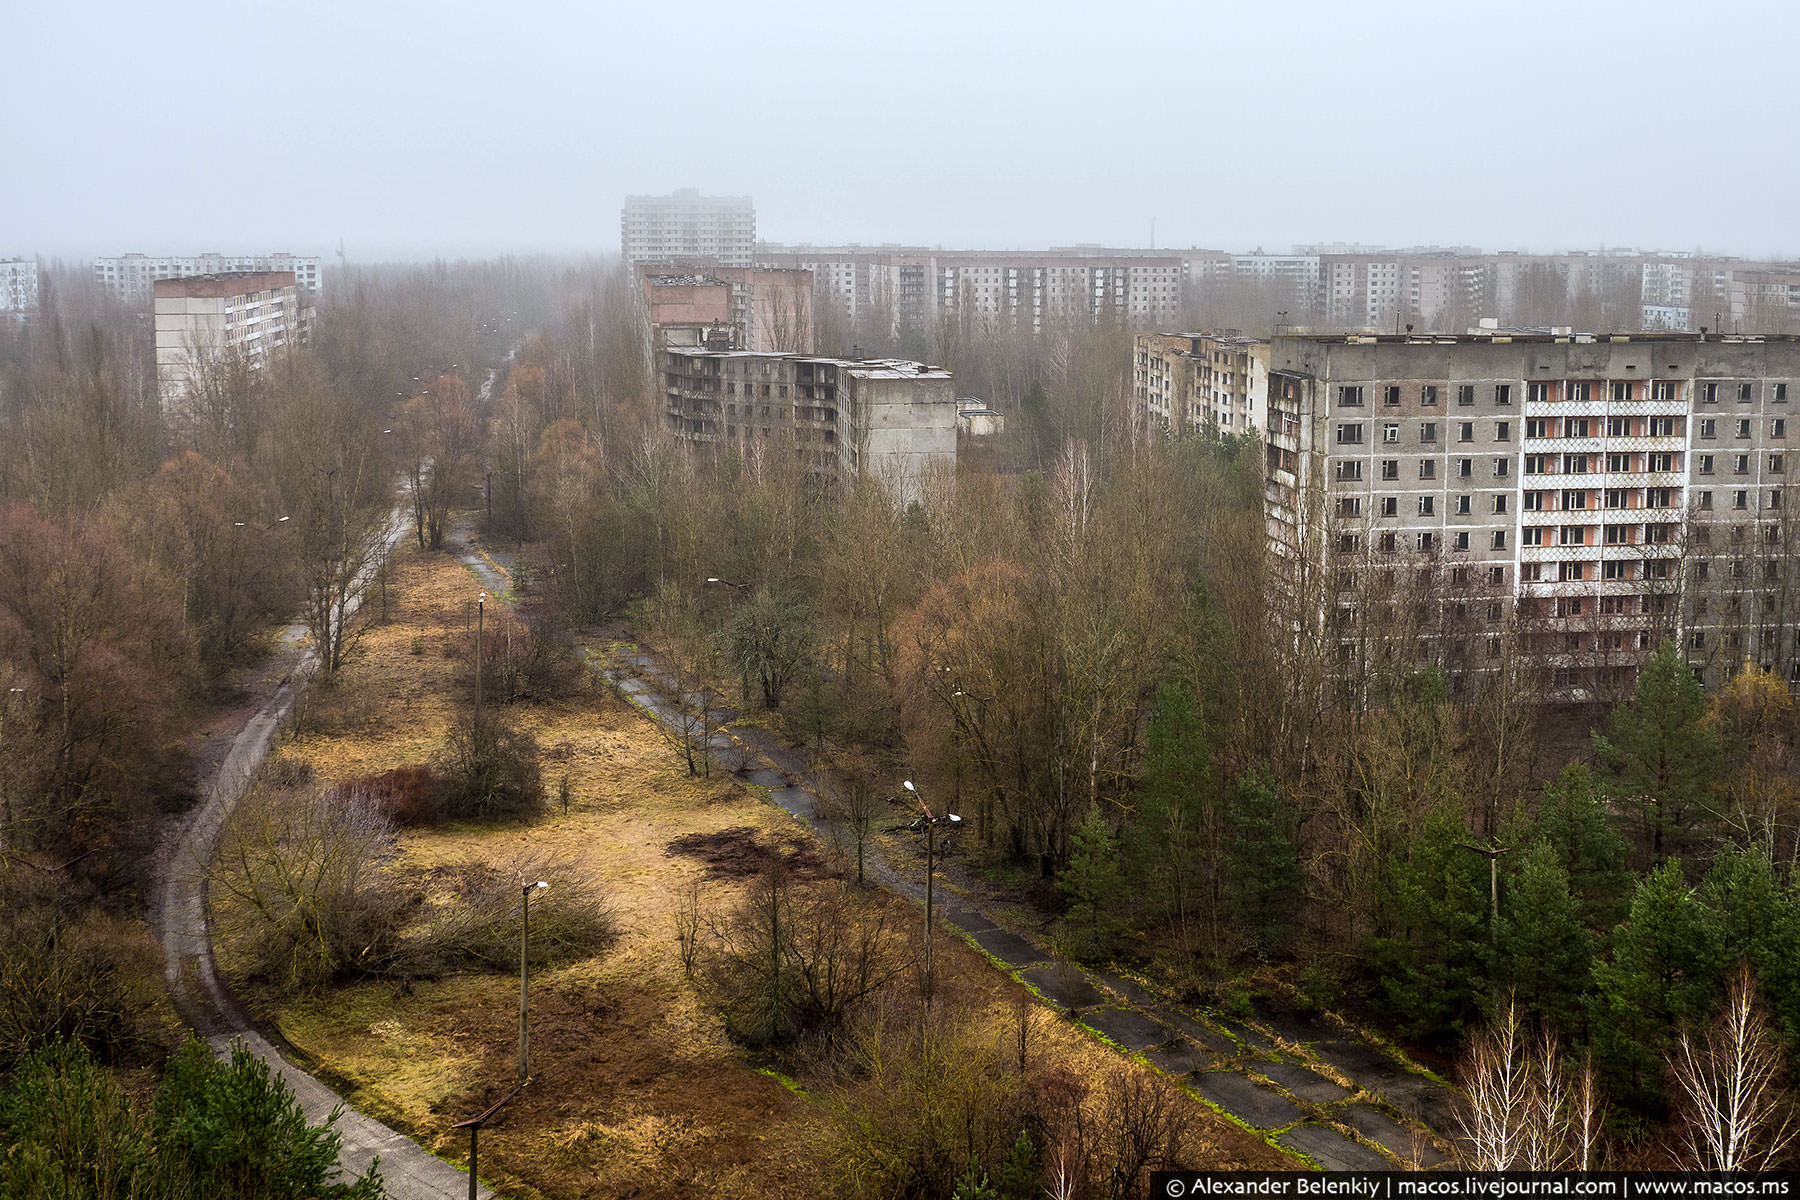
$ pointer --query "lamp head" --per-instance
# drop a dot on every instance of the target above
(908, 785)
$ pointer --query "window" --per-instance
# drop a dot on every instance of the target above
(1574, 464)
(1569, 606)
(1465, 467)
(1618, 462)
(1503, 431)
(1573, 535)
(1350, 435)
(1740, 499)
(1537, 427)
(1388, 543)
(1390, 506)
(1657, 534)
(1347, 543)
(1428, 431)
(1503, 393)
(1656, 568)
(1709, 393)
(1571, 571)
(1537, 393)
(1502, 468)
(1664, 389)
(1740, 464)
(1428, 395)
(1534, 501)
(1390, 468)
(1465, 431)
(1705, 466)
(1425, 503)
(1390, 432)
(1531, 572)
(1774, 502)
(1537, 464)
(1617, 535)
(1350, 472)
(1428, 468)
(1499, 539)
(1349, 506)
(1621, 389)
(1781, 393)
(1778, 427)
(1575, 427)
(1743, 427)
(1618, 427)
(1390, 395)
(1658, 497)
(1497, 576)
(1531, 535)
(1776, 463)
(1465, 393)
(1704, 499)
(1462, 540)
(1615, 498)
(1574, 499)
(1660, 461)
(1463, 505)
(1425, 541)
(1500, 503)
(1663, 427)
(1745, 391)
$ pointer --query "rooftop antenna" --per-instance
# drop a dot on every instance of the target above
(1153, 233)
(340, 253)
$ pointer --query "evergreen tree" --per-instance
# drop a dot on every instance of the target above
(1759, 924)
(1430, 951)
(1666, 971)
(1572, 818)
(1662, 755)
(1174, 837)
(1543, 949)
(1092, 884)
(1262, 866)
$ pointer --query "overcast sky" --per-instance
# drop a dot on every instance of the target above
(444, 127)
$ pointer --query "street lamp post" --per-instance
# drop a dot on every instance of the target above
(931, 824)
(480, 611)
(525, 980)
(744, 667)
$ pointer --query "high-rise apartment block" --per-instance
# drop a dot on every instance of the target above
(1187, 381)
(685, 227)
(1595, 494)
(837, 420)
(18, 285)
(727, 308)
(210, 325)
(131, 277)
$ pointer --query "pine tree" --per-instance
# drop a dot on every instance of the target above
(1662, 755)
(1543, 950)
(1572, 818)
(1759, 924)
(1665, 971)
(1262, 867)
(1174, 838)
(1092, 883)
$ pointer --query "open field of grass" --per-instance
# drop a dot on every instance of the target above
(640, 1092)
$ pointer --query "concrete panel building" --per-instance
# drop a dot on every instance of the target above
(18, 286)
(729, 308)
(839, 419)
(216, 323)
(131, 277)
(1601, 493)
(685, 227)
(1185, 381)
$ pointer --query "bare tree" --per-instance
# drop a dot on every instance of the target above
(1527, 1109)
(1735, 1113)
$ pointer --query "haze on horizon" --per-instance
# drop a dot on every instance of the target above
(414, 129)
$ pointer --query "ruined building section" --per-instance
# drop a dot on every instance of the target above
(1572, 498)
(1184, 381)
(725, 308)
(837, 420)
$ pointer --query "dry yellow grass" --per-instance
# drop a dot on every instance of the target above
(641, 1091)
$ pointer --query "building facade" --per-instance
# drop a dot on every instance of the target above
(840, 420)
(211, 324)
(132, 277)
(685, 227)
(1184, 381)
(18, 286)
(1575, 498)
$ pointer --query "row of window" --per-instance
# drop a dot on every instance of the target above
(1577, 391)
(1350, 433)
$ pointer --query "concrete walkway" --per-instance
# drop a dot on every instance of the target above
(179, 915)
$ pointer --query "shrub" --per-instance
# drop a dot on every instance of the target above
(94, 980)
(488, 770)
(405, 795)
(473, 922)
(522, 660)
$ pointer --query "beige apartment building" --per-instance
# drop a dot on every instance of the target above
(210, 323)
(1574, 498)
(1183, 381)
(840, 419)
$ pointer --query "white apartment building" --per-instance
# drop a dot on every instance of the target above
(1598, 492)
(131, 277)
(18, 285)
(1183, 381)
(211, 323)
(686, 227)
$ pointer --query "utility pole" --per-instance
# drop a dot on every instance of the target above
(525, 981)
(1492, 853)
(480, 611)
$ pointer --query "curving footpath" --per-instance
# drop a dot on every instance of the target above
(179, 915)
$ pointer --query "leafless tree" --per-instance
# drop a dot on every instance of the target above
(1735, 1112)
(1527, 1109)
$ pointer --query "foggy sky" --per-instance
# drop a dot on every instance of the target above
(411, 128)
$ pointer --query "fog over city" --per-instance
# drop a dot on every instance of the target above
(408, 128)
